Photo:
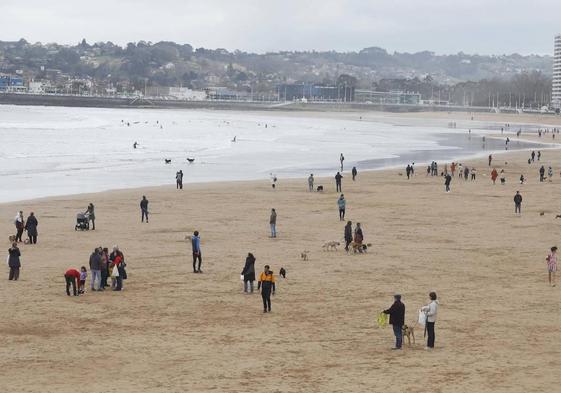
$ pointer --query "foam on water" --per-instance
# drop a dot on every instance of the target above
(46, 151)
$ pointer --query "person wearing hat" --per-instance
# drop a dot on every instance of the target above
(397, 319)
(342, 203)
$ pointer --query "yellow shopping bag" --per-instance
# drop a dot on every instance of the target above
(383, 320)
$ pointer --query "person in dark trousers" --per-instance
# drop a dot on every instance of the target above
(431, 310)
(447, 181)
(14, 262)
(533, 155)
(197, 255)
(539, 154)
(397, 319)
(31, 228)
(90, 211)
(354, 172)
(490, 159)
(311, 183)
(348, 235)
(408, 171)
(144, 208)
(267, 285)
(72, 277)
(342, 203)
(517, 203)
(117, 258)
(341, 159)
(95, 269)
(20, 226)
(542, 173)
(179, 180)
(248, 273)
(273, 223)
(338, 178)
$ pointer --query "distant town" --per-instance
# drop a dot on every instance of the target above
(177, 72)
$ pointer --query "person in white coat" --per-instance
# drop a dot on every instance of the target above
(431, 310)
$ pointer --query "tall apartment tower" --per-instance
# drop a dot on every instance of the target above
(556, 85)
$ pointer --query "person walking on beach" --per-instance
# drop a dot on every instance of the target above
(473, 174)
(197, 255)
(90, 213)
(552, 265)
(542, 173)
(311, 182)
(338, 178)
(490, 159)
(20, 226)
(144, 208)
(466, 173)
(354, 172)
(248, 273)
(494, 175)
(431, 310)
(447, 181)
(342, 203)
(273, 223)
(266, 284)
(179, 180)
(550, 174)
(408, 171)
(348, 235)
(95, 268)
(397, 319)
(453, 168)
(539, 154)
(31, 227)
(72, 277)
(517, 203)
(533, 155)
(341, 159)
(14, 262)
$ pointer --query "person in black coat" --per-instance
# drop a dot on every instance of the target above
(348, 235)
(31, 228)
(248, 273)
(14, 262)
(338, 178)
(397, 319)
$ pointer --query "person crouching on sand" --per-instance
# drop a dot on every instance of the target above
(72, 276)
(552, 265)
(267, 286)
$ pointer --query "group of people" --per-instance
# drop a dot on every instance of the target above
(265, 284)
(103, 265)
(30, 225)
(397, 319)
(356, 236)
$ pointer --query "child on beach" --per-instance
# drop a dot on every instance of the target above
(83, 277)
(552, 265)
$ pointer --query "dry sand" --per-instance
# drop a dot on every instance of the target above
(170, 330)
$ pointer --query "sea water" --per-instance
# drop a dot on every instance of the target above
(47, 151)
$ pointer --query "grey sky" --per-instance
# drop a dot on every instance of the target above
(442, 26)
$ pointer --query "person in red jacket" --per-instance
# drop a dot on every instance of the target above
(72, 277)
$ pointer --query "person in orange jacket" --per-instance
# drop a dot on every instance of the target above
(267, 286)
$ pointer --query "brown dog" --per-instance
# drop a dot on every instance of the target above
(12, 239)
(409, 332)
(330, 246)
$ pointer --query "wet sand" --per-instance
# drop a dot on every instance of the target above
(174, 331)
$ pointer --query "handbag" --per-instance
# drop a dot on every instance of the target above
(115, 272)
(422, 318)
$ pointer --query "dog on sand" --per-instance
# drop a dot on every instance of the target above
(409, 332)
(359, 247)
(319, 189)
(12, 238)
(331, 246)
(282, 272)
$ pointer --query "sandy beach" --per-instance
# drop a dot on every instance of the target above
(174, 331)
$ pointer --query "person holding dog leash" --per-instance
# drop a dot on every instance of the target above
(431, 310)
(397, 319)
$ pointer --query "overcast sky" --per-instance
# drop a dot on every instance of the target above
(442, 26)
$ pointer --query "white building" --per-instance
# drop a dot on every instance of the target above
(556, 85)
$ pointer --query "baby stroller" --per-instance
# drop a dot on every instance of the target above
(82, 222)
